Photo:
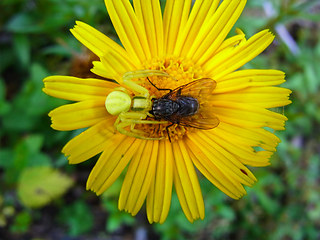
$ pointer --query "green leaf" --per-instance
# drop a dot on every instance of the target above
(57, 50)
(311, 79)
(6, 158)
(4, 105)
(23, 23)
(115, 221)
(21, 223)
(22, 48)
(2, 89)
(4, 108)
(39, 185)
(30, 104)
(77, 217)
(26, 153)
(305, 6)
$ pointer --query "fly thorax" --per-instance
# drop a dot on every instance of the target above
(162, 108)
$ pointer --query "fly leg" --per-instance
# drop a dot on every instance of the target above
(167, 129)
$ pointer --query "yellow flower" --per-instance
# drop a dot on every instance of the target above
(186, 43)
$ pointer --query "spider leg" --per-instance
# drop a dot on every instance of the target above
(134, 132)
(131, 119)
(121, 129)
(144, 73)
(122, 89)
(141, 74)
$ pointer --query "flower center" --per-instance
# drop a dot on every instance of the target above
(181, 71)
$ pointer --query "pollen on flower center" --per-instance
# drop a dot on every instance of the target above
(181, 71)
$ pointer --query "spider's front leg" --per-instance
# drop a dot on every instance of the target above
(131, 119)
(141, 74)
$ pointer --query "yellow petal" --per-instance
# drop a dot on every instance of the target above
(247, 137)
(112, 66)
(89, 143)
(129, 30)
(150, 18)
(101, 70)
(159, 196)
(97, 42)
(214, 31)
(115, 65)
(77, 89)
(127, 183)
(240, 142)
(112, 162)
(199, 15)
(243, 79)
(186, 183)
(182, 197)
(78, 115)
(232, 41)
(214, 163)
(175, 18)
(225, 161)
(233, 58)
(244, 154)
(265, 97)
(245, 115)
(204, 161)
(139, 178)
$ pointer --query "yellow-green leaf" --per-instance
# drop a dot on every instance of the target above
(39, 185)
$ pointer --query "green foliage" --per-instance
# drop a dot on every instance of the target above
(25, 153)
(4, 105)
(110, 203)
(35, 42)
(21, 223)
(77, 217)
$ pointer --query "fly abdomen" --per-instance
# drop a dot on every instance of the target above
(188, 106)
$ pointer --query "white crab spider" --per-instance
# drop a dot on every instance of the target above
(133, 110)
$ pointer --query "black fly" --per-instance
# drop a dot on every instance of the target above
(181, 105)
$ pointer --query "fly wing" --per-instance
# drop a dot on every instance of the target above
(200, 89)
(204, 121)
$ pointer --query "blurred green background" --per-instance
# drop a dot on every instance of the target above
(42, 197)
